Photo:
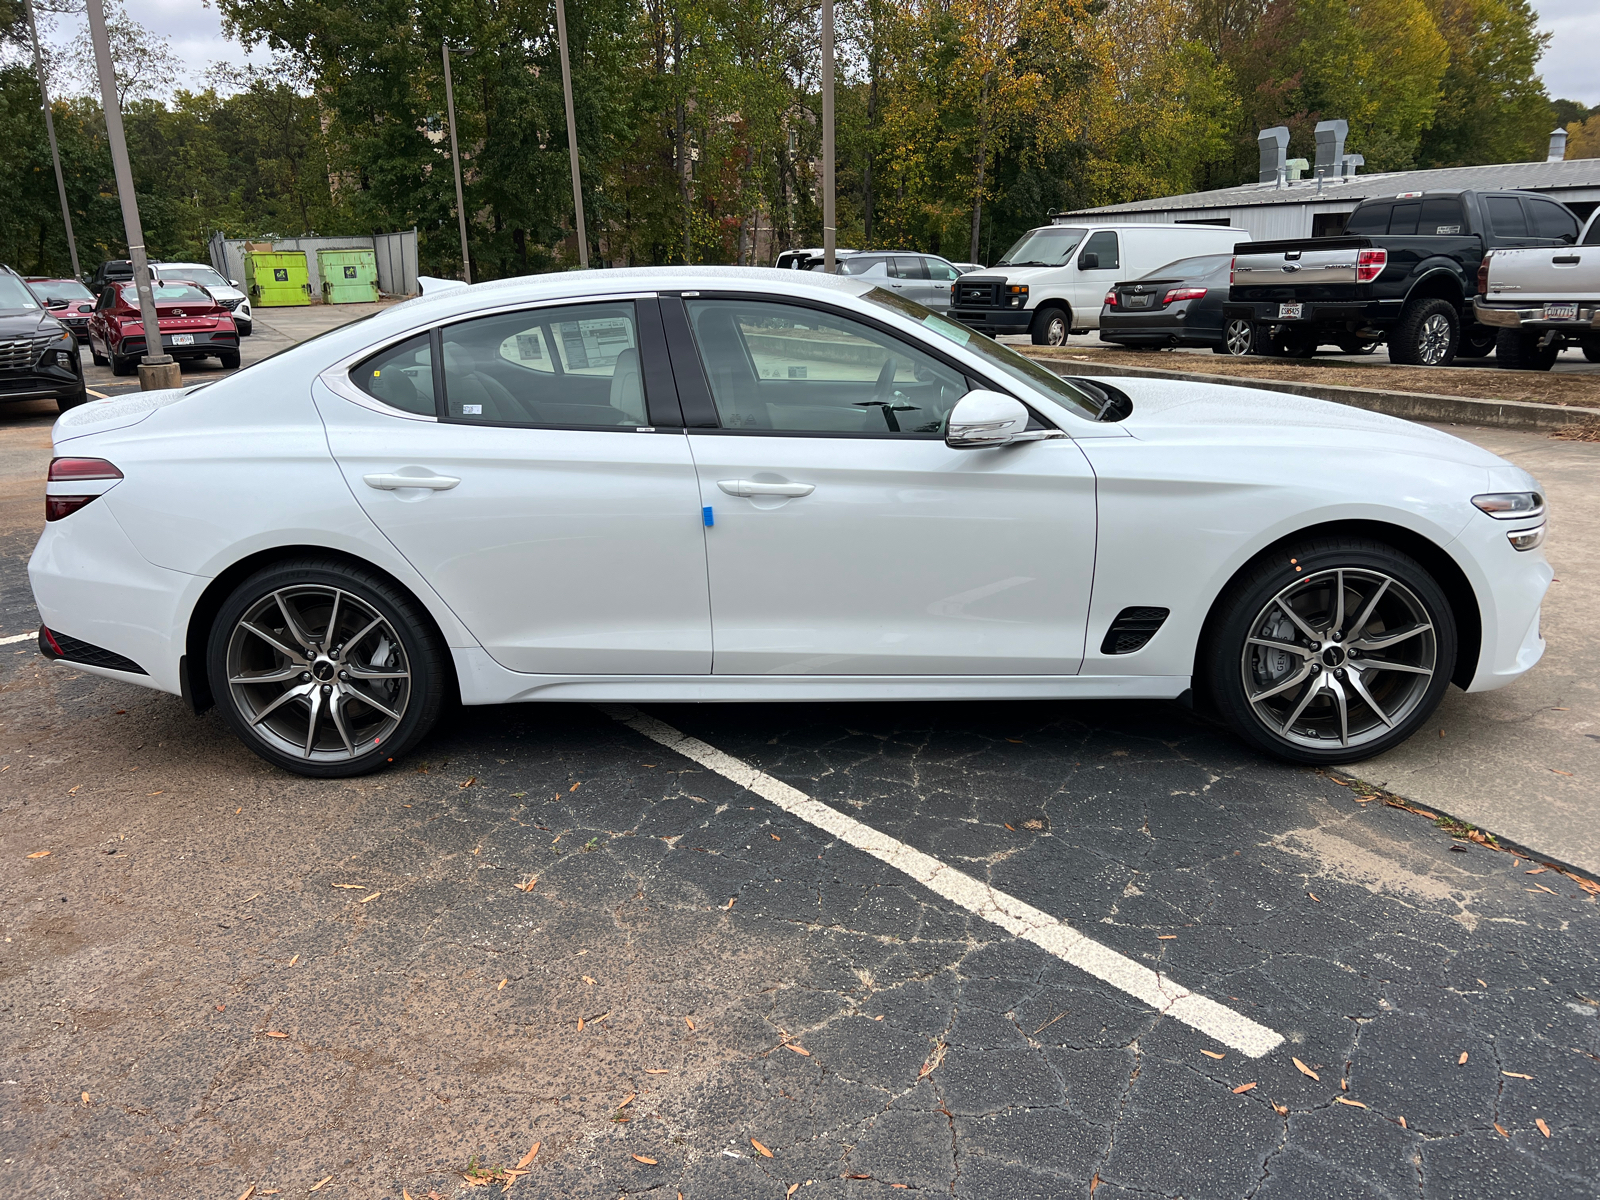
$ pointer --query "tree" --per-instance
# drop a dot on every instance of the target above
(1492, 104)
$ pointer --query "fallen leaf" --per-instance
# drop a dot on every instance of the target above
(528, 1157)
(470, 780)
(294, 960)
(649, 1162)
(1537, 871)
(1516, 1075)
(276, 1033)
(1165, 937)
(774, 837)
(689, 1021)
(527, 886)
(1542, 888)
(1243, 1087)
(1500, 1129)
(354, 887)
(1313, 895)
(655, 1071)
(580, 1024)
(1305, 1070)
(1462, 1060)
(1344, 1085)
(1481, 983)
(221, 1007)
(248, 1192)
(1350, 1102)
(765, 1153)
(369, 899)
(322, 1182)
(1281, 1109)
(1008, 827)
(1213, 1054)
(793, 1188)
(236, 811)
(502, 986)
(1094, 1183)
(801, 1050)
(40, 854)
(1560, 772)
(73, 791)
(575, 786)
(627, 1100)
(589, 979)
(1543, 1128)
(86, 1098)
(729, 904)
(1403, 1124)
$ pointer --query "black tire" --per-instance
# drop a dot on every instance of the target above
(1239, 337)
(1428, 334)
(1351, 344)
(229, 360)
(123, 366)
(1477, 341)
(1296, 343)
(1052, 325)
(1591, 349)
(245, 328)
(96, 357)
(1253, 686)
(1519, 350)
(65, 403)
(358, 706)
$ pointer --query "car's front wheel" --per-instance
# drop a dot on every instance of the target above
(1331, 651)
(325, 669)
(245, 328)
(1051, 327)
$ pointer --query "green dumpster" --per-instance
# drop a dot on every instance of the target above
(277, 278)
(348, 276)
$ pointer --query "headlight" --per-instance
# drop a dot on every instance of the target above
(1017, 295)
(1511, 506)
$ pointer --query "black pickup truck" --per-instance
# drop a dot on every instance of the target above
(1404, 271)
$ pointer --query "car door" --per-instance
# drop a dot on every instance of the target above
(532, 466)
(845, 537)
(1090, 283)
(1508, 220)
(941, 275)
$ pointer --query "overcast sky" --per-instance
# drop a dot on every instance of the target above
(1569, 70)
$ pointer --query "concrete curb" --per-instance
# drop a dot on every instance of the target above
(1414, 406)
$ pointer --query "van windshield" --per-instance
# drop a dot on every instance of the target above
(1048, 247)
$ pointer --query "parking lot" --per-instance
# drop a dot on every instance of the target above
(986, 950)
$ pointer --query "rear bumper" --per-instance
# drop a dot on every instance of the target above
(1347, 314)
(1173, 326)
(205, 342)
(1508, 316)
(995, 320)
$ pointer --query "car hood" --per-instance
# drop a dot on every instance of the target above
(25, 322)
(1201, 413)
(1016, 274)
(115, 412)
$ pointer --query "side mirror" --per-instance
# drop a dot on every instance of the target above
(233, 283)
(54, 303)
(1088, 261)
(982, 419)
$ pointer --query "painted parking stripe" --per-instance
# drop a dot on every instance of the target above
(1016, 917)
(16, 637)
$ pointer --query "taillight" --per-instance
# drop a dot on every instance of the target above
(1370, 264)
(1111, 299)
(1177, 294)
(77, 471)
(1232, 263)
(1483, 275)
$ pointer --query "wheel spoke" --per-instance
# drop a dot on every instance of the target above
(282, 675)
(1377, 664)
(1338, 609)
(1311, 634)
(357, 694)
(336, 710)
(333, 620)
(1383, 641)
(1340, 703)
(365, 629)
(1360, 689)
(1360, 622)
(1302, 651)
(316, 719)
(1294, 680)
(298, 693)
(1310, 694)
(294, 656)
(292, 624)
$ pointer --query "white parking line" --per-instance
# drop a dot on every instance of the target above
(16, 637)
(1014, 916)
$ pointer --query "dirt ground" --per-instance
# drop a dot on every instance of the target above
(1486, 383)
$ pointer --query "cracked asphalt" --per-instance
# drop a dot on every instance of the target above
(194, 999)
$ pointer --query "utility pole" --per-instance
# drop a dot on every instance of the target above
(55, 151)
(157, 370)
(572, 133)
(830, 235)
(455, 159)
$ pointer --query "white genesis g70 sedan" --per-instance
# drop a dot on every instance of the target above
(712, 484)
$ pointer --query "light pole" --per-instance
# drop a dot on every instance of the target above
(158, 370)
(572, 133)
(455, 159)
(830, 235)
(55, 151)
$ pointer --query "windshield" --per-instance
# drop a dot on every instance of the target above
(62, 289)
(167, 293)
(204, 276)
(1002, 358)
(14, 294)
(1048, 247)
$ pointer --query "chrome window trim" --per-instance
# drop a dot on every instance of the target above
(337, 377)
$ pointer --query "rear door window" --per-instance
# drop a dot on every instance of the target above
(1505, 216)
(401, 376)
(1441, 216)
(1550, 220)
(1403, 221)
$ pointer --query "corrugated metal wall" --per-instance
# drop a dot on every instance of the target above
(1264, 222)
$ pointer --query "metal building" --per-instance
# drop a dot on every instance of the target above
(1285, 206)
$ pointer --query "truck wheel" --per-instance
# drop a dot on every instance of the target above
(1238, 337)
(1476, 342)
(1591, 349)
(1051, 326)
(1428, 334)
(1519, 350)
(1296, 343)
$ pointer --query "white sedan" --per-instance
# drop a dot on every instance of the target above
(709, 484)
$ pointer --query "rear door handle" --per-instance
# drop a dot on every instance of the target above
(750, 487)
(390, 483)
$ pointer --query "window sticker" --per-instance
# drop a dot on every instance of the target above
(472, 410)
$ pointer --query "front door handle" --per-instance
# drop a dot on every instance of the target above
(390, 483)
(751, 487)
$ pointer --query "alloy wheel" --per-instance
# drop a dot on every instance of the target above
(318, 673)
(1240, 336)
(1433, 342)
(1339, 657)
(1055, 331)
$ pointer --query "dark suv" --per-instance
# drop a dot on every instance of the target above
(38, 354)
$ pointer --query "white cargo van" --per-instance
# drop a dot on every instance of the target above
(1055, 279)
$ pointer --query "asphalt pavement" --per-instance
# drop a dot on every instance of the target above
(982, 950)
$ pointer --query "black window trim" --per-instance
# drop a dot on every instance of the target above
(694, 390)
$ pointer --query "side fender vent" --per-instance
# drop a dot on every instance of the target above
(1132, 629)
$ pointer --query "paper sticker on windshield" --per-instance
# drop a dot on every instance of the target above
(949, 329)
(472, 410)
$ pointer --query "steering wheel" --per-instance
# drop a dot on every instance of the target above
(883, 396)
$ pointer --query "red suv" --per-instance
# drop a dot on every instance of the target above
(193, 325)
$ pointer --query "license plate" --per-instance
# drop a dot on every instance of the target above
(1139, 301)
(183, 339)
(1560, 312)
(1290, 312)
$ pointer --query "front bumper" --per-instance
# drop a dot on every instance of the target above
(1510, 316)
(994, 321)
(53, 381)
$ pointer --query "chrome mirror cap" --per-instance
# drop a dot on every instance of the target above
(985, 419)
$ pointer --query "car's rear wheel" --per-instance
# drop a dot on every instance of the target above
(1427, 335)
(229, 360)
(1238, 337)
(1520, 350)
(1051, 327)
(123, 366)
(325, 669)
(1331, 651)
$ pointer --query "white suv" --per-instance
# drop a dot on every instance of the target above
(225, 291)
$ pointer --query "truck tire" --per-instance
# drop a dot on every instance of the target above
(1591, 349)
(1051, 326)
(1352, 344)
(1428, 334)
(1476, 341)
(1296, 343)
(1519, 350)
